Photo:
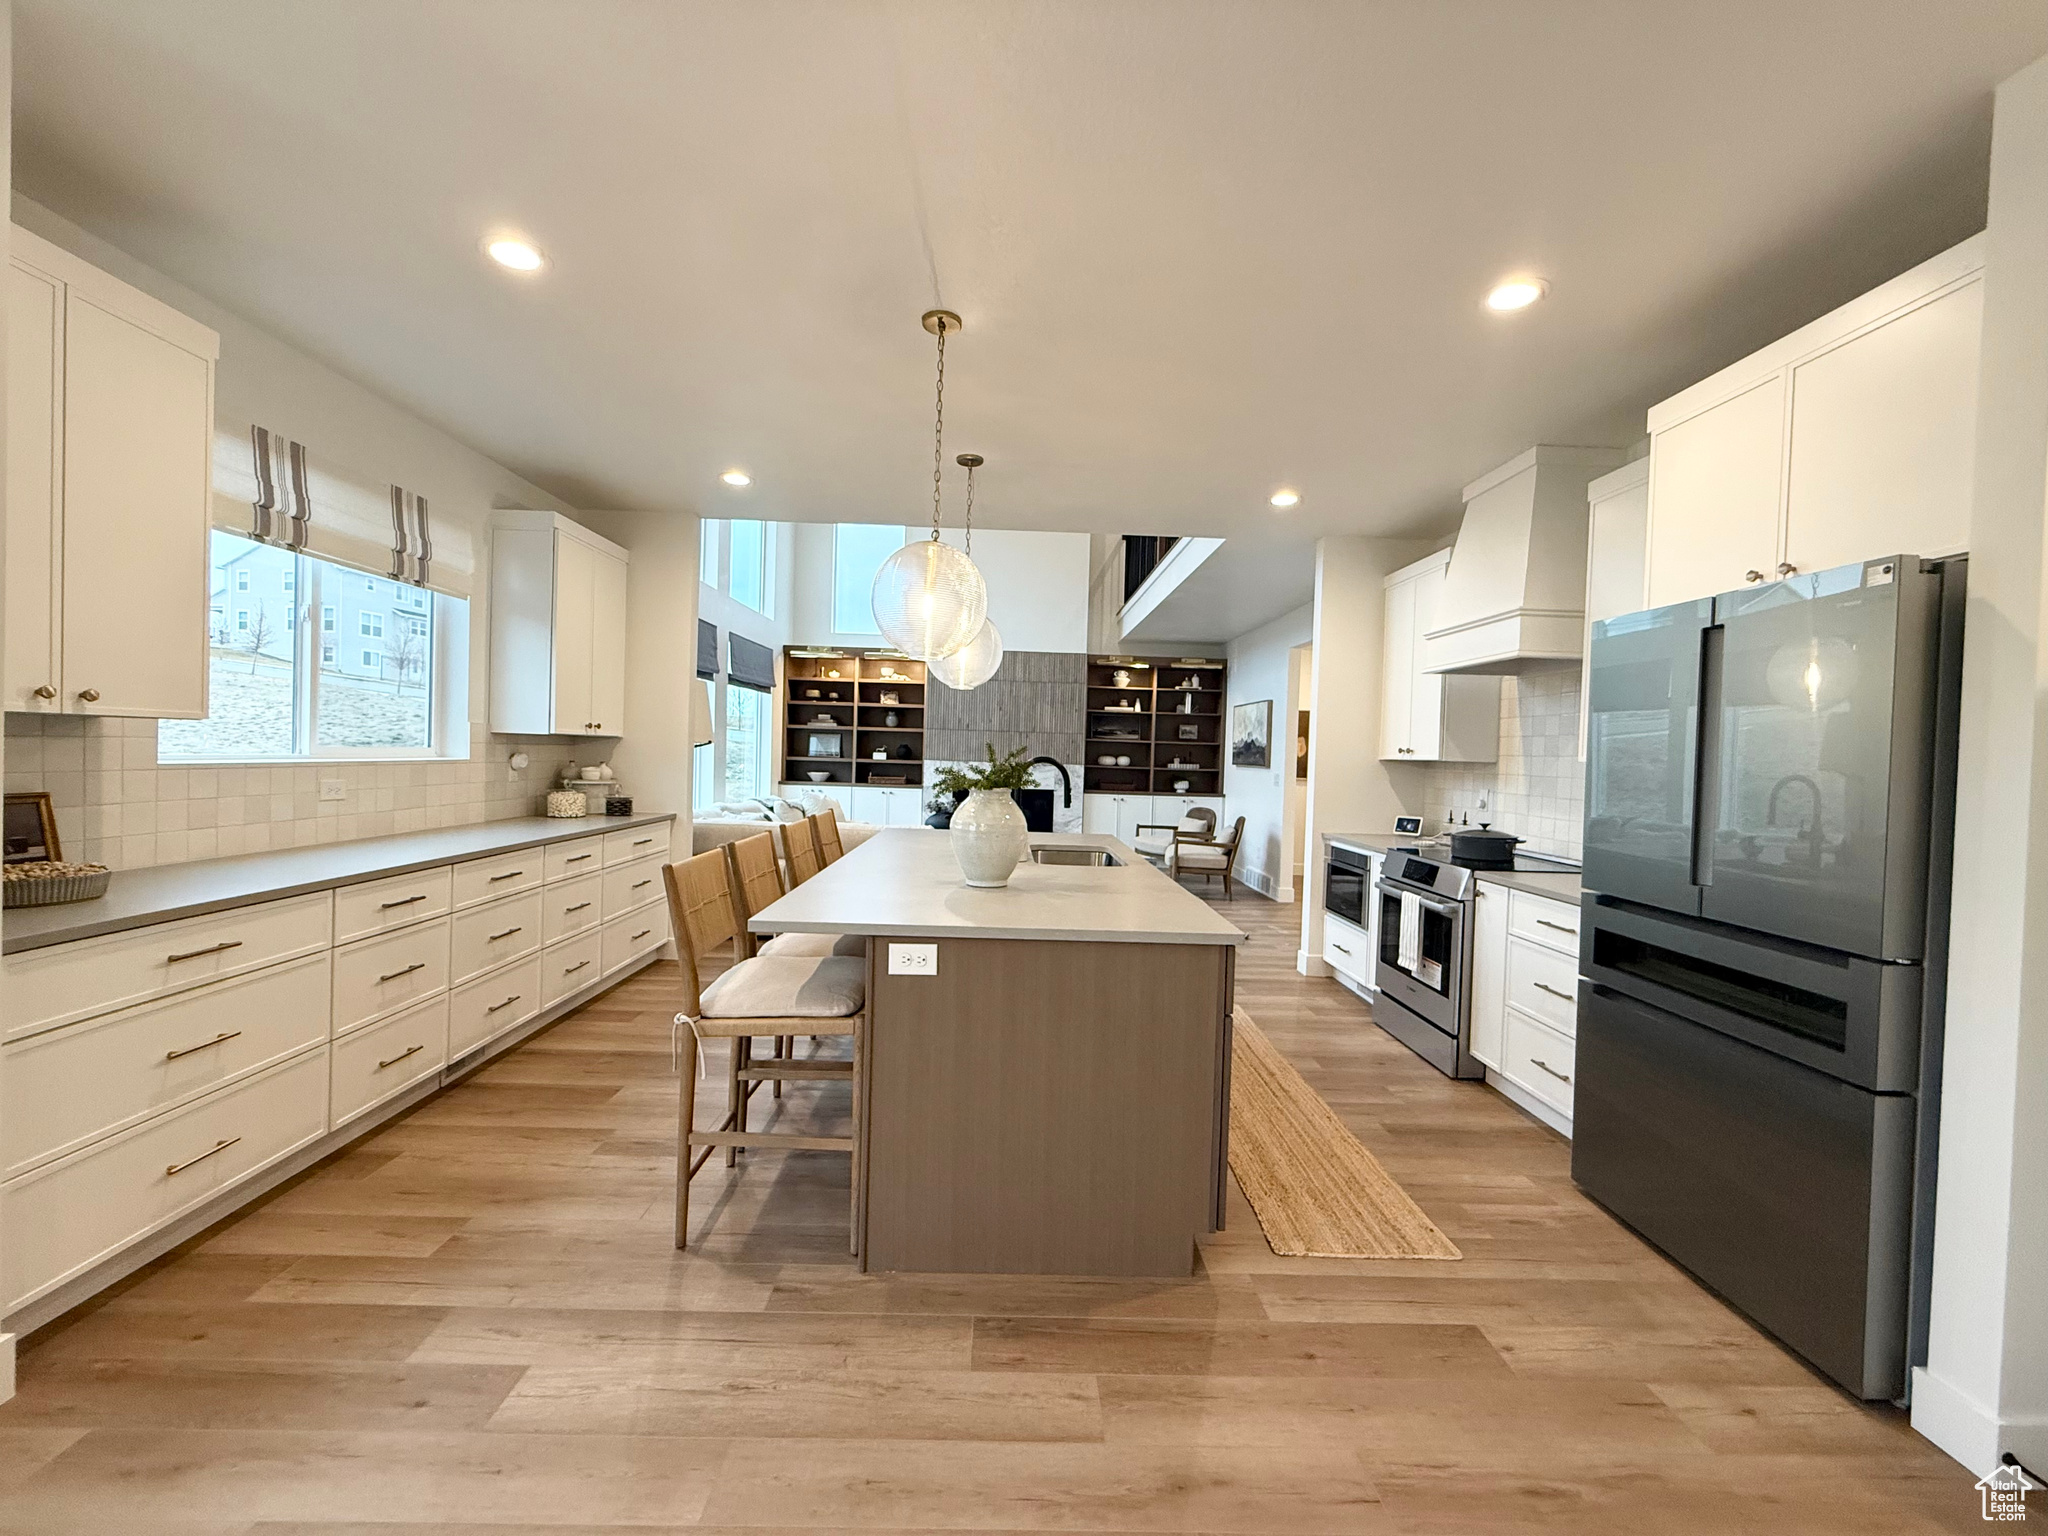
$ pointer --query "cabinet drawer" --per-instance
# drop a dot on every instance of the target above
(570, 966)
(374, 978)
(632, 885)
(1347, 948)
(1539, 1059)
(635, 843)
(67, 1087)
(373, 1064)
(1540, 920)
(1545, 983)
(67, 1216)
(75, 981)
(378, 906)
(563, 861)
(485, 879)
(492, 1004)
(488, 936)
(571, 906)
(629, 937)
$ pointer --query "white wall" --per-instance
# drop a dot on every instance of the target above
(1262, 667)
(1037, 586)
(1985, 1386)
(6, 173)
(1349, 788)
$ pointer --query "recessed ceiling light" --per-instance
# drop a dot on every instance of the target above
(507, 251)
(1517, 293)
(737, 477)
(1285, 498)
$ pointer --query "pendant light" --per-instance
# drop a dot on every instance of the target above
(976, 661)
(929, 600)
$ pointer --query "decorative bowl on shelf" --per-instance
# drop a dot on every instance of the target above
(818, 776)
(1123, 762)
(1107, 760)
(1180, 786)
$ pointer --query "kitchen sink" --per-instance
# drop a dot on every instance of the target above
(1095, 857)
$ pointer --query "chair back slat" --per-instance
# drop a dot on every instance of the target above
(802, 843)
(825, 829)
(756, 876)
(700, 909)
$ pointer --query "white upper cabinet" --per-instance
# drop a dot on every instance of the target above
(110, 425)
(1851, 438)
(558, 628)
(1430, 717)
(1617, 536)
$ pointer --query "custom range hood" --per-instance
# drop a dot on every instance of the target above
(1514, 598)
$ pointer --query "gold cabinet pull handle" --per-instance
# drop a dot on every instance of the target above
(640, 935)
(1752, 575)
(638, 883)
(45, 691)
(204, 1045)
(417, 965)
(211, 949)
(506, 934)
(1787, 568)
(572, 970)
(92, 696)
(505, 1004)
(218, 1146)
(394, 1061)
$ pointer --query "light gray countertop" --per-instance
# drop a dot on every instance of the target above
(138, 897)
(903, 883)
(1559, 885)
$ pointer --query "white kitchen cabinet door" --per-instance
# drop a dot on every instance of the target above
(1884, 436)
(1490, 974)
(138, 425)
(35, 389)
(869, 807)
(608, 646)
(1397, 691)
(841, 796)
(1117, 816)
(1617, 537)
(1132, 812)
(1714, 492)
(575, 634)
(1098, 815)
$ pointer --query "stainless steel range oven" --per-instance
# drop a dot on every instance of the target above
(1424, 967)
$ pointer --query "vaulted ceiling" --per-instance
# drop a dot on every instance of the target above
(1202, 249)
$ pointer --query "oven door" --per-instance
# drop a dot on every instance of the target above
(1431, 983)
(1345, 877)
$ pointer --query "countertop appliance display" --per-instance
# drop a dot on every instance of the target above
(1423, 971)
(1770, 797)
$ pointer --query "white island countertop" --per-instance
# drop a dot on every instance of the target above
(903, 883)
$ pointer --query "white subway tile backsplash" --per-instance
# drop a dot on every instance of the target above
(1537, 788)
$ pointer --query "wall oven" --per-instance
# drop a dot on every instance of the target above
(1346, 878)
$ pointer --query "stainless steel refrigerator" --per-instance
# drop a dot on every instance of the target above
(1769, 813)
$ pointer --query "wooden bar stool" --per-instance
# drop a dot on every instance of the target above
(800, 841)
(825, 829)
(756, 881)
(761, 995)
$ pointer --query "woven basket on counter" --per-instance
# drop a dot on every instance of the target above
(42, 883)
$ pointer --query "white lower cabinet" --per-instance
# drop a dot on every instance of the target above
(484, 1009)
(1525, 997)
(484, 938)
(377, 977)
(882, 806)
(631, 885)
(633, 935)
(569, 906)
(72, 1085)
(1489, 972)
(570, 966)
(384, 1060)
(67, 1216)
(1539, 1059)
(1120, 816)
(1348, 948)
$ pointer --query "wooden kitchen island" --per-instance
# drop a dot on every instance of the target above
(1046, 1088)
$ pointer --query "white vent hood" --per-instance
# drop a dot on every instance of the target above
(1514, 597)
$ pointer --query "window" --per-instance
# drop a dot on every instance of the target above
(707, 552)
(703, 790)
(241, 581)
(747, 558)
(747, 751)
(276, 691)
(858, 550)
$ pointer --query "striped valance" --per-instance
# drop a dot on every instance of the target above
(270, 488)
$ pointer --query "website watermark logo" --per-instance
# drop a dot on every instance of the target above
(2005, 1493)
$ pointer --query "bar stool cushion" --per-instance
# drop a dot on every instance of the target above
(848, 945)
(791, 987)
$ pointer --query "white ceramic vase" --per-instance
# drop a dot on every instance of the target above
(989, 836)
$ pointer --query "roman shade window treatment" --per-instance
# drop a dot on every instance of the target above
(272, 489)
(707, 649)
(749, 664)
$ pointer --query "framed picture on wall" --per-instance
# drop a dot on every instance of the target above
(1251, 734)
(31, 831)
(1301, 744)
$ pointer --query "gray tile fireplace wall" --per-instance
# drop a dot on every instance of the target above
(1037, 699)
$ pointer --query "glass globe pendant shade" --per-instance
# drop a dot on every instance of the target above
(929, 600)
(974, 663)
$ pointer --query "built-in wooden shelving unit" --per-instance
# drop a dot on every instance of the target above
(860, 702)
(1163, 713)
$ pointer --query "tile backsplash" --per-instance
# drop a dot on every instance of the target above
(116, 805)
(1538, 788)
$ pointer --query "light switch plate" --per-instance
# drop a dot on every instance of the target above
(333, 789)
(913, 959)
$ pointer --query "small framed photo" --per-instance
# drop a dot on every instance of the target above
(1190, 733)
(824, 744)
(31, 832)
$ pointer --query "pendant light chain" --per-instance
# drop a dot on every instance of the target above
(938, 429)
(969, 550)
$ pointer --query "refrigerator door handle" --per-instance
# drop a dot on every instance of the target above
(1707, 756)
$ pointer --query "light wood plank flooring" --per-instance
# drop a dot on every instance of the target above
(474, 1322)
